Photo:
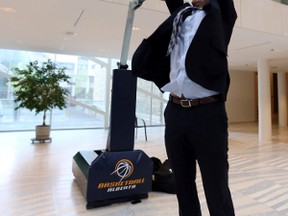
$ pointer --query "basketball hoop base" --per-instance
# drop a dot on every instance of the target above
(110, 177)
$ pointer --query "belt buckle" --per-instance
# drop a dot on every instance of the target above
(185, 103)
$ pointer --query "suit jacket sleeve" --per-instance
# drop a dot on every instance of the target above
(229, 17)
(173, 4)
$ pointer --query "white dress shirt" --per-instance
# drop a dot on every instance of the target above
(180, 84)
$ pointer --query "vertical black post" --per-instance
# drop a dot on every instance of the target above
(94, 169)
(122, 113)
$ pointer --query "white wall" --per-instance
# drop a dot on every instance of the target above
(257, 14)
(242, 98)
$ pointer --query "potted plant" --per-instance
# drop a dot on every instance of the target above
(38, 87)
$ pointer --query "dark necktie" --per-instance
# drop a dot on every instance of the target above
(177, 23)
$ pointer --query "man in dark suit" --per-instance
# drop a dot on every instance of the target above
(188, 58)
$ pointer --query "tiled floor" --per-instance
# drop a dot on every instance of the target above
(36, 179)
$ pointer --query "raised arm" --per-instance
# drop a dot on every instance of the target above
(228, 9)
(229, 16)
(173, 4)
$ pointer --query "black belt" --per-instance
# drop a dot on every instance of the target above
(187, 103)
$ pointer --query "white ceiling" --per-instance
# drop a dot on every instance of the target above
(96, 28)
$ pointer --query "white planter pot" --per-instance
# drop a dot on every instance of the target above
(43, 132)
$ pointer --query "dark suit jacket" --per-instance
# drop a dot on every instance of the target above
(206, 59)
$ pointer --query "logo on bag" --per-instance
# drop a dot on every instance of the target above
(124, 168)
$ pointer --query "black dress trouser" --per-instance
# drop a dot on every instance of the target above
(199, 134)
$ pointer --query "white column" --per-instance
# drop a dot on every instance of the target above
(282, 96)
(264, 100)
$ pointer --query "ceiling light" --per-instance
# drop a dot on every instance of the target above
(135, 28)
(276, 50)
(8, 9)
(70, 34)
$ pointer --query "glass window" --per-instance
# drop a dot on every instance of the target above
(89, 101)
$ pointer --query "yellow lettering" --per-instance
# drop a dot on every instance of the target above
(100, 185)
(121, 184)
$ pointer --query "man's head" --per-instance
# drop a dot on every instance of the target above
(199, 3)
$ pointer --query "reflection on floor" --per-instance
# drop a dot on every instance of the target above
(36, 179)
